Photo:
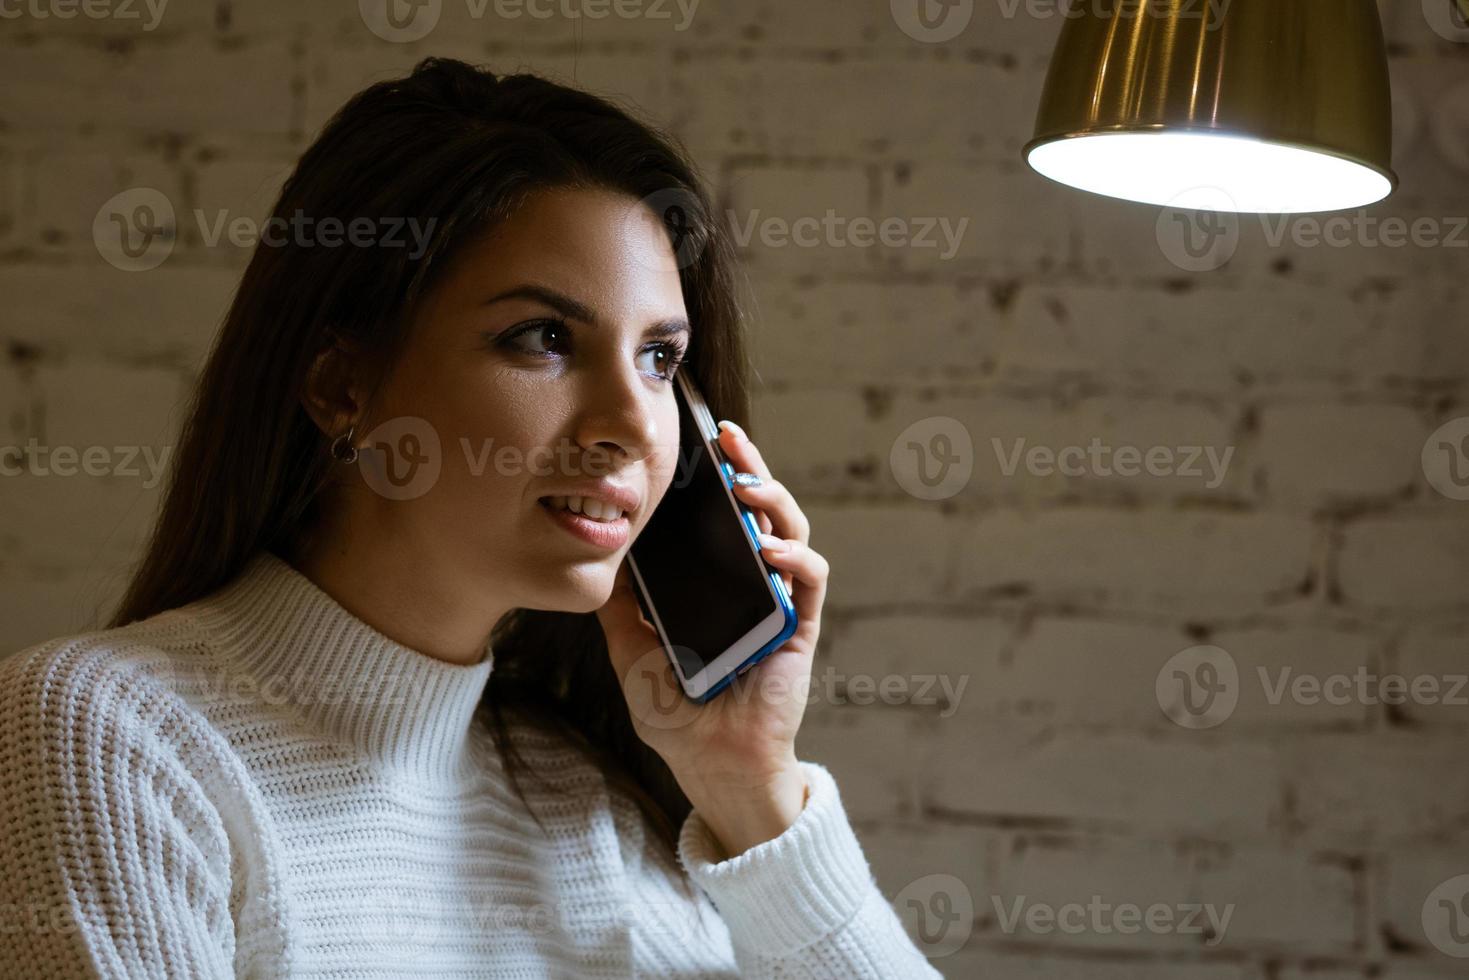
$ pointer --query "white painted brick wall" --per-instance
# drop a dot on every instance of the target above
(1046, 605)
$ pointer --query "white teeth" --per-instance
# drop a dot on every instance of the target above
(587, 507)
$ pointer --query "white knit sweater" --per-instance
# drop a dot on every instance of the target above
(260, 784)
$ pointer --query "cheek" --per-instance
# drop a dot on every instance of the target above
(490, 437)
(667, 459)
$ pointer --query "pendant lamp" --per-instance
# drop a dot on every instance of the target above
(1260, 106)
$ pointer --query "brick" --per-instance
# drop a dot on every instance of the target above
(962, 655)
(1308, 680)
(878, 106)
(70, 186)
(89, 520)
(1350, 790)
(1107, 447)
(20, 403)
(10, 195)
(1380, 241)
(1084, 672)
(47, 600)
(1409, 877)
(1065, 892)
(1435, 658)
(1312, 453)
(839, 331)
(914, 545)
(831, 422)
(878, 784)
(799, 219)
(170, 313)
(1033, 964)
(1021, 448)
(93, 404)
(1160, 559)
(1406, 562)
(902, 855)
(1008, 218)
(96, 472)
(1285, 900)
(1218, 337)
(58, 86)
(1446, 345)
(1152, 785)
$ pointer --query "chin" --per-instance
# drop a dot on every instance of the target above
(581, 588)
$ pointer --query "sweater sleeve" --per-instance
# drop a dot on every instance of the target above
(804, 904)
(114, 861)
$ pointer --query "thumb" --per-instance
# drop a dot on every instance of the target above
(654, 698)
(628, 633)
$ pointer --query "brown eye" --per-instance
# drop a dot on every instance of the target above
(543, 329)
(672, 355)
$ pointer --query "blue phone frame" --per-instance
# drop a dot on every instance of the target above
(752, 532)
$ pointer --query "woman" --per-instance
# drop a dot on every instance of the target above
(360, 712)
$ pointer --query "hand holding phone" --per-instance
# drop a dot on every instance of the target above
(733, 755)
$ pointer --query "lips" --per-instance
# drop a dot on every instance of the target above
(608, 535)
(591, 508)
(596, 499)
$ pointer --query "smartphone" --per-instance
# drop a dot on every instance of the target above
(717, 606)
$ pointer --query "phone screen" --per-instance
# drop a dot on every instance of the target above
(696, 561)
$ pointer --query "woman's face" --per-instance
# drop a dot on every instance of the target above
(543, 359)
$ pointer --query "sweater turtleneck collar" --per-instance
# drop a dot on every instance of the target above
(297, 646)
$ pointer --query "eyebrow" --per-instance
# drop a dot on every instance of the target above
(577, 310)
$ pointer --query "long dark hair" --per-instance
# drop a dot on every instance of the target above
(457, 148)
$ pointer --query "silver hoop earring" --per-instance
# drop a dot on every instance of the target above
(348, 455)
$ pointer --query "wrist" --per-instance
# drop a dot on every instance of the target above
(741, 814)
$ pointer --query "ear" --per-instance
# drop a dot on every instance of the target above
(331, 393)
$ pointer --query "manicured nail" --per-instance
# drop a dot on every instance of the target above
(747, 480)
(771, 543)
(739, 432)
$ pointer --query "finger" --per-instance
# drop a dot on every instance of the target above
(628, 633)
(654, 699)
(740, 451)
(775, 500)
(809, 568)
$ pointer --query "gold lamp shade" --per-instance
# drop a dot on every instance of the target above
(1273, 106)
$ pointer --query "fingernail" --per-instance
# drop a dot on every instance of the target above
(747, 480)
(771, 543)
(739, 432)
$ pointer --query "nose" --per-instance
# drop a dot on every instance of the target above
(617, 422)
